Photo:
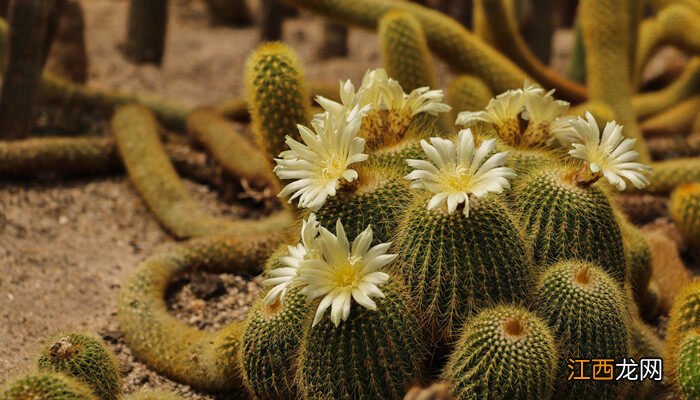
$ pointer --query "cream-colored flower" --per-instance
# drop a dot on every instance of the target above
(610, 155)
(344, 273)
(501, 110)
(318, 165)
(459, 170)
(282, 278)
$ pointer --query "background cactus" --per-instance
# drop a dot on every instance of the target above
(564, 220)
(684, 318)
(84, 357)
(277, 96)
(467, 93)
(688, 361)
(504, 352)
(684, 209)
(45, 386)
(586, 309)
(146, 31)
(456, 265)
(405, 53)
(373, 354)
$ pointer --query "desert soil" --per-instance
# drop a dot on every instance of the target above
(67, 246)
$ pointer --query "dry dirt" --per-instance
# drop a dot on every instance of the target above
(67, 246)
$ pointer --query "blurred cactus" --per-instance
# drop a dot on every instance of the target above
(684, 321)
(146, 31)
(45, 386)
(229, 12)
(684, 209)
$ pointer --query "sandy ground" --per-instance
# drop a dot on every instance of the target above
(66, 247)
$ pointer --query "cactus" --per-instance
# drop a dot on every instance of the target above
(405, 53)
(670, 174)
(678, 119)
(200, 359)
(675, 25)
(229, 146)
(270, 340)
(372, 354)
(644, 343)
(467, 93)
(683, 319)
(85, 358)
(68, 56)
(585, 307)
(565, 220)
(22, 76)
(684, 87)
(456, 264)
(606, 31)
(136, 133)
(146, 32)
(277, 96)
(377, 198)
(688, 361)
(638, 254)
(45, 386)
(577, 62)
(505, 352)
(684, 209)
(150, 394)
(229, 12)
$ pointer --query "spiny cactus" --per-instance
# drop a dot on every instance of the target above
(670, 174)
(606, 31)
(684, 209)
(505, 352)
(678, 119)
(150, 394)
(565, 220)
(688, 361)
(684, 87)
(270, 341)
(136, 133)
(373, 354)
(468, 93)
(585, 307)
(644, 343)
(277, 96)
(377, 198)
(684, 318)
(201, 359)
(85, 358)
(638, 254)
(456, 264)
(405, 53)
(45, 386)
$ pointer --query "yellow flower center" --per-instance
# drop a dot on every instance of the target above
(458, 181)
(335, 166)
(347, 274)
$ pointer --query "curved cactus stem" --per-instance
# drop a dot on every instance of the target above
(685, 86)
(678, 120)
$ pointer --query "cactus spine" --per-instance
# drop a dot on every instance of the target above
(85, 358)
(277, 96)
(586, 309)
(405, 53)
(683, 319)
(688, 362)
(684, 209)
(372, 355)
(456, 264)
(504, 352)
(467, 93)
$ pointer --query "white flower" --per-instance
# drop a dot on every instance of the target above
(610, 155)
(505, 107)
(318, 165)
(344, 273)
(458, 170)
(282, 278)
(384, 93)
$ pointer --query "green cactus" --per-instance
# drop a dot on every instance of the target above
(605, 26)
(674, 121)
(684, 87)
(136, 134)
(394, 157)
(277, 96)
(270, 341)
(644, 343)
(586, 308)
(45, 386)
(200, 359)
(456, 264)
(688, 370)
(371, 355)
(505, 352)
(684, 318)
(150, 394)
(467, 93)
(684, 209)
(405, 53)
(84, 357)
(377, 198)
(524, 161)
(638, 254)
(577, 62)
(566, 220)
(669, 174)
